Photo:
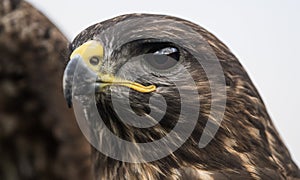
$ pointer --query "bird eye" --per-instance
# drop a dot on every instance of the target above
(163, 59)
(94, 60)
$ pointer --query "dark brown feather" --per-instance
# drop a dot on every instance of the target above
(39, 137)
(247, 145)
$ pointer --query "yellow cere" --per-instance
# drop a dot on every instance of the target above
(93, 49)
(89, 50)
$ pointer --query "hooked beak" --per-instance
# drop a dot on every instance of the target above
(68, 80)
(78, 70)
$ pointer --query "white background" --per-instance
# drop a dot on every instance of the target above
(264, 35)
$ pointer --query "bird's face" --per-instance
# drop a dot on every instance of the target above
(143, 68)
(145, 79)
(91, 55)
(145, 61)
(136, 70)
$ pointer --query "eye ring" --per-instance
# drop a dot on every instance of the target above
(94, 60)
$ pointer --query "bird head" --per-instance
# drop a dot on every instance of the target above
(155, 88)
(145, 75)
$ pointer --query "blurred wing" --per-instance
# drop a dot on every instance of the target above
(39, 137)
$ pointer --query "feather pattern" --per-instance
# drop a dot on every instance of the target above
(246, 146)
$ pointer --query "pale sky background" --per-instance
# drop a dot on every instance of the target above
(264, 35)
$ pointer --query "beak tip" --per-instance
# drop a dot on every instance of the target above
(68, 99)
(68, 80)
(69, 103)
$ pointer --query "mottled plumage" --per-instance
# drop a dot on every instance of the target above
(246, 146)
(39, 137)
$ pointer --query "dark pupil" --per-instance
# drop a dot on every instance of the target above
(94, 60)
(163, 59)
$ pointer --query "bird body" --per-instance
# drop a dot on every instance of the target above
(244, 144)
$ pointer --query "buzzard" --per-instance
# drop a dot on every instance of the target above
(135, 77)
(39, 138)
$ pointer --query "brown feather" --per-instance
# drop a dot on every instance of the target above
(247, 145)
(39, 137)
